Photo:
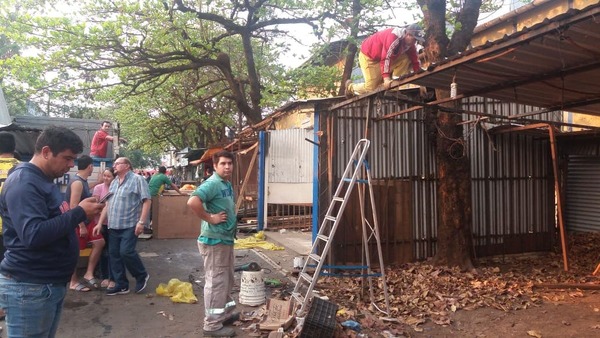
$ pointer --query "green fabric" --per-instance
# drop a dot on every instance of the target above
(157, 182)
(216, 195)
(213, 241)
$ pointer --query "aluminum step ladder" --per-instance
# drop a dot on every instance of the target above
(357, 167)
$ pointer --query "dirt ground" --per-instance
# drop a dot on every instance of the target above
(93, 314)
(555, 313)
(575, 316)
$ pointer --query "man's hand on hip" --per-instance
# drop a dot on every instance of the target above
(218, 218)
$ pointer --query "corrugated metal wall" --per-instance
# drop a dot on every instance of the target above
(289, 156)
(512, 188)
(583, 193)
(582, 184)
(289, 186)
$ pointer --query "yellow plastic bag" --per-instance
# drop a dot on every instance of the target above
(180, 292)
(256, 241)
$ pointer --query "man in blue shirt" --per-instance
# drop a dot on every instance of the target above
(39, 235)
(213, 202)
(127, 211)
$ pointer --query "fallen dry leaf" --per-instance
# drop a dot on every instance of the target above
(420, 292)
(534, 334)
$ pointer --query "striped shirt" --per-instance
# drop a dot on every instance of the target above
(125, 206)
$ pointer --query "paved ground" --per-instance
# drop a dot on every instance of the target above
(93, 314)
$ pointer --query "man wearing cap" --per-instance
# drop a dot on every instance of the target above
(387, 53)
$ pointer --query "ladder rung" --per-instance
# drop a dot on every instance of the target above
(298, 297)
(358, 180)
(352, 174)
(323, 238)
(306, 277)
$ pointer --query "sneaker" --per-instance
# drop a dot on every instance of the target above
(117, 291)
(141, 285)
(222, 332)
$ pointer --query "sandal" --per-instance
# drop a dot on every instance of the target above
(105, 283)
(80, 287)
(93, 282)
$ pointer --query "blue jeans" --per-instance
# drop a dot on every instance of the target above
(32, 310)
(104, 265)
(121, 249)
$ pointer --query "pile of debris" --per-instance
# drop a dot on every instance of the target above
(420, 292)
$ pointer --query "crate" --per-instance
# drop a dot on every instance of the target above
(320, 320)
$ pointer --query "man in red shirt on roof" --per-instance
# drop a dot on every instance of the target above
(100, 141)
(387, 53)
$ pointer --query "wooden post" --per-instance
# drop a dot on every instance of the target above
(246, 178)
(561, 223)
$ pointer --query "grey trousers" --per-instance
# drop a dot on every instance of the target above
(218, 282)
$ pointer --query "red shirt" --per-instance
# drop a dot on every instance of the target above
(99, 144)
(385, 47)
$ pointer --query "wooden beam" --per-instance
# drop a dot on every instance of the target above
(246, 178)
(566, 106)
(558, 191)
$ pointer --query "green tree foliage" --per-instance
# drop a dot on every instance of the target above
(140, 159)
(176, 73)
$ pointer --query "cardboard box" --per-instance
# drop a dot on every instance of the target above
(279, 314)
(171, 218)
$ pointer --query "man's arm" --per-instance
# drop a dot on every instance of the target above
(195, 204)
(76, 191)
(29, 216)
(139, 227)
(390, 43)
(174, 187)
(414, 58)
(101, 220)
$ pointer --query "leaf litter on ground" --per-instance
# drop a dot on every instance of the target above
(420, 292)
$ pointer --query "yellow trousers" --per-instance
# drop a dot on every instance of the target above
(372, 73)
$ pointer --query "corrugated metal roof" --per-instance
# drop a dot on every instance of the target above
(554, 65)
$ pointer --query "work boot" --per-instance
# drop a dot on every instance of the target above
(232, 319)
(348, 91)
(222, 332)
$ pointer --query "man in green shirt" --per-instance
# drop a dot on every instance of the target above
(156, 186)
(213, 202)
(158, 181)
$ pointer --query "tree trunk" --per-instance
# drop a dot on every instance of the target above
(454, 241)
(352, 48)
(454, 244)
(348, 65)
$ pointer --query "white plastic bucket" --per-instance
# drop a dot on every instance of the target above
(252, 288)
(298, 262)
